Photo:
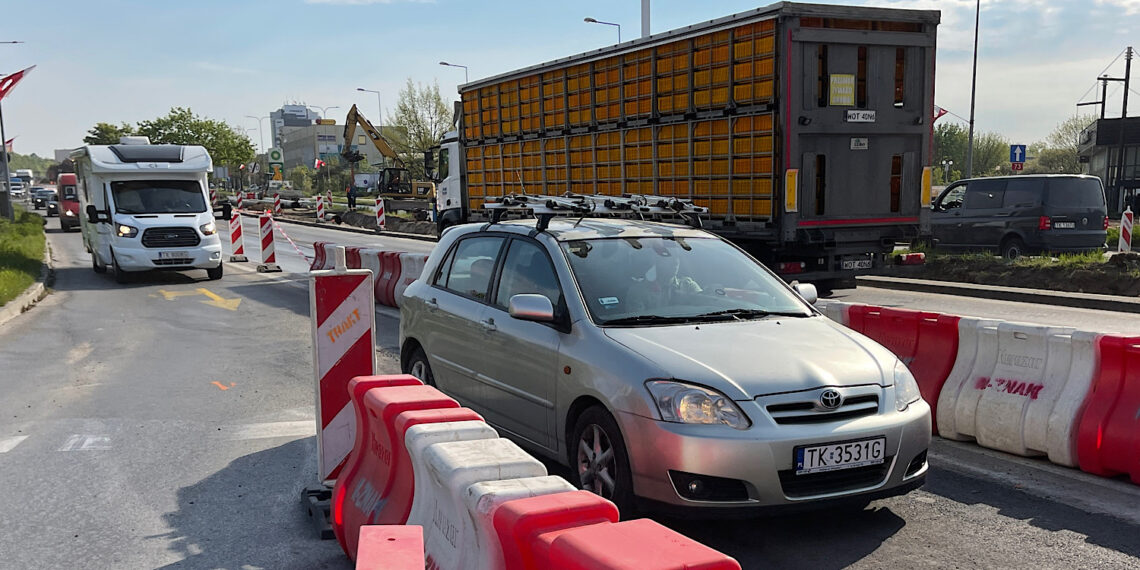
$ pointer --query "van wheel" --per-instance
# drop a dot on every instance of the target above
(1012, 248)
(98, 267)
(214, 273)
(598, 460)
(121, 276)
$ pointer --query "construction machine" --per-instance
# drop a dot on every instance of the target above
(394, 181)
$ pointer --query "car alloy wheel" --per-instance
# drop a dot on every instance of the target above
(596, 463)
(598, 458)
(418, 366)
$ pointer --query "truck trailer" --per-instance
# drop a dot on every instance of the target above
(805, 130)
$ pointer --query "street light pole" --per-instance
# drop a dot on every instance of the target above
(593, 21)
(323, 109)
(259, 131)
(379, 109)
(465, 78)
(973, 93)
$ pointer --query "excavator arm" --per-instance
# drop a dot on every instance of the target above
(353, 119)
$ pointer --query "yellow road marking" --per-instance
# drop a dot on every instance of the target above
(172, 295)
(217, 301)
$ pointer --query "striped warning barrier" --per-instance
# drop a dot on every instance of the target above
(268, 252)
(276, 204)
(320, 208)
(381, 218)
(239, 200)
(237, 245)
(343, 316)
(213, 197)
(1125, 244)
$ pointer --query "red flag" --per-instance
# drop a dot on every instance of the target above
(318, 163)
(8, 145)
(938, 112)
(7, 83)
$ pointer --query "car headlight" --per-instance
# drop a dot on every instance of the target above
(208, 229)
(690, 404)
(69, 213)
(906, 387)
(123, 230)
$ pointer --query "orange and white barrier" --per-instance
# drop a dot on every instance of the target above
(276, 204)
(268, 251)
(320, 208)
(237, 245)
(381, 219)
(344, 334)
(1125, 244)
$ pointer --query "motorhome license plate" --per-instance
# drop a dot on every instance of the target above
(1064, 225)
(857, 264)
(174, 255)
(836, 456)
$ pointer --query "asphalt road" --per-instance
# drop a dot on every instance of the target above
(151, 426)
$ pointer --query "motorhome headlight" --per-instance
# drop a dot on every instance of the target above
(208, 229)
(123, 230)
(906, 388)
(691, 404)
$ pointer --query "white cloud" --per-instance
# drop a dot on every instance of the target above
(1130, 7)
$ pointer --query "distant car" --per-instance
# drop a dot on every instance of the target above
(662, 362)
(18, 191)
(1020, 215)
(52, 206)
(41, 196)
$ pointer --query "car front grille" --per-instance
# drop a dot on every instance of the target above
(808, 412)
(170, 237)
(813, 484)
(172, 261)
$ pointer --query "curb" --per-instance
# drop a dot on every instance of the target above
(1112, 303)
(347, 228)
(34, 293)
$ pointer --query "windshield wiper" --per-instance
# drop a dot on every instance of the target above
(648, 320)
(752, 313)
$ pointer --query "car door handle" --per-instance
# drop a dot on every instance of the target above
(489, 325)
(432, 304)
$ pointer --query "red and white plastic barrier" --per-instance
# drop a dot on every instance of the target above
(268, 251)
(1125, 244)
(480, 500)
(343, 317)
(320, 208)
(1108, 438)
(381, 218)
(237, 245)
(276, 204)
(391, 547)
(394, 270)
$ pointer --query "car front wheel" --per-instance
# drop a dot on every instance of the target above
(418, 366)
(598, 460)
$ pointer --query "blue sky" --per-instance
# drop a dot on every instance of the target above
(131, 60)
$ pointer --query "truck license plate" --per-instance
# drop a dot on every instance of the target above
(836, 456)
(857, 264)
(174, 255)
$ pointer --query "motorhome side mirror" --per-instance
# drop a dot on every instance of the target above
(92, 214)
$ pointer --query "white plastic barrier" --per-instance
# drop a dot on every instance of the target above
(483, 498)
(443, 473)
(836, 311)
(1024, 391)
(411, 267)
(370, 259)
(971, 354)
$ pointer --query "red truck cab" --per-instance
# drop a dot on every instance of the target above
(67, 190)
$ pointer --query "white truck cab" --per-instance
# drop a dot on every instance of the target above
(147, 207)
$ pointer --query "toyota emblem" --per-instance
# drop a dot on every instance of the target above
(830, 399)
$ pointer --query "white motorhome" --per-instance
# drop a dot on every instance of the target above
(147, 207)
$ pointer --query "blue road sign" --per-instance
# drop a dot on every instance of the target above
(1017, 153)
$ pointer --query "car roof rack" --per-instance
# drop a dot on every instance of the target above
(634, 206)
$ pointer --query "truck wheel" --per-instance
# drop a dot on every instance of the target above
(598, 460)
(98, 267)
(1012, 248)
(214, 273)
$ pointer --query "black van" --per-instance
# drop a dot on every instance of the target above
(1018, 215)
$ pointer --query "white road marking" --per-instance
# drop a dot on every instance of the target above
(9, 443)
(84, 442)
(292, 430)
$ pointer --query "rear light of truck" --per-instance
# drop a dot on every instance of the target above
(1044, 223)
(786, 267)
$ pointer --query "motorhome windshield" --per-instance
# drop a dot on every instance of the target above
(158, 197)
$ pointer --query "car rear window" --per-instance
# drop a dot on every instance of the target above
(1076, 193)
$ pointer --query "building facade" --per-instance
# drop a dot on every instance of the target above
(289, 116)
(1101, 146)
(303, 145)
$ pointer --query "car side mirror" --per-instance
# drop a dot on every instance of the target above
(528, 307)
(807, 291)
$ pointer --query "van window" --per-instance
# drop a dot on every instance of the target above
(1076, 193)
(1023, 193)
(67, 192)
(158, 197)
(953, 197)
(983, 194)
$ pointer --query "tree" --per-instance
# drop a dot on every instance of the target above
(423, 117)
(1057, 154)
(181, 126)
(991, 155)
(950, 141)
(106, 133)
(302, 179)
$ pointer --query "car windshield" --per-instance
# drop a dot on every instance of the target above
(666, 280)
(158, 197)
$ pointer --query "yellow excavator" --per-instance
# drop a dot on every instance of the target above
(394, 181)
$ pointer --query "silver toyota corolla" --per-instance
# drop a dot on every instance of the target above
(661, 362)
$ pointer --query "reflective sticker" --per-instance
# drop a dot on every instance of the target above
(608, 300)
